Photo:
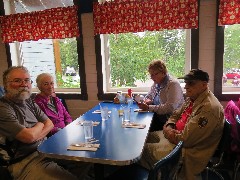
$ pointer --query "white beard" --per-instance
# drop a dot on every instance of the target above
(20, 94)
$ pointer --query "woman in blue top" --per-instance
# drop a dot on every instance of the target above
(164, 97)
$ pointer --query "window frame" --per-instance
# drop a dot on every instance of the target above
(109, 96)
(218, 72)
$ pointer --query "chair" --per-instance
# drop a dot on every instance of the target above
(211, 175)
(64, 103)
(164, 169)
(1, 91)
(237, 162)
(168, 166)
(223, 146)
(5, 160)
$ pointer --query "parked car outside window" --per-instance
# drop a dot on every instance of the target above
(70, 71)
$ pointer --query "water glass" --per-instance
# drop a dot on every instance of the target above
(120, 111)
(129, 102)
(88, 129)
(104, 113)
(126, 115)
(114, 114)
(122, 98)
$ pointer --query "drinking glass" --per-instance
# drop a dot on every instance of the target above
(88, 129)
(122, 98)
(126, 115)
(129, 102)
(120, 111)
(114, 114)
(104, 113)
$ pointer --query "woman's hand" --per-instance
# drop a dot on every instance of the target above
(143, 106)
(148, 101)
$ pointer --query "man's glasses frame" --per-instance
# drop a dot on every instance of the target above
(20, 81)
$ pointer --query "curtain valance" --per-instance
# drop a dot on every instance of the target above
(229, 12)
(55, 23)
(122, 16)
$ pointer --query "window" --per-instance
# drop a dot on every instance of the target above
(231, 60)
(59, 57)
(227, 85)
(126, 57)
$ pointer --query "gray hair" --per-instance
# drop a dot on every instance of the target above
(158, 65)
(9, 70)
(40, 77)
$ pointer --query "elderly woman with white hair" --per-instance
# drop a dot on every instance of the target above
(50, 104)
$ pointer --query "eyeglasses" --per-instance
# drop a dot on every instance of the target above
(47, 84)
(154, 74)
(20, 81)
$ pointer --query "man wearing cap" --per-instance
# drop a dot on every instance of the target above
(198, 123)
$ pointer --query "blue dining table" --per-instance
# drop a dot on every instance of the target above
(118, 145)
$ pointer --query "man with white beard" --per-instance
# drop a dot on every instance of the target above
(25, 126)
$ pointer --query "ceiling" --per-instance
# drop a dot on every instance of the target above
(22, 6)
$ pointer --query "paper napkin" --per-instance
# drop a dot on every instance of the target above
(99, 112)
(83, 147)
(134, 125)
(95, 123)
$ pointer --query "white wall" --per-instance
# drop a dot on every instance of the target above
(207, 31)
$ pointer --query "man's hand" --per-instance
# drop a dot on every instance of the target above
(35, 133)
(170, 134)
(166, 128)
(30, 135)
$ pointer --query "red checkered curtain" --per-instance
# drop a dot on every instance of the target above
(229, 12)
(122, 16)
(55, 23)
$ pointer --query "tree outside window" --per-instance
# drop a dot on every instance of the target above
(130, 54)
(231, 67)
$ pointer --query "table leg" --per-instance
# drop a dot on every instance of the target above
(99, 171)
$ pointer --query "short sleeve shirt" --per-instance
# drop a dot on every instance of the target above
(14, 117)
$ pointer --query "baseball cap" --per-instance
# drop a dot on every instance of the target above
(196, 74)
